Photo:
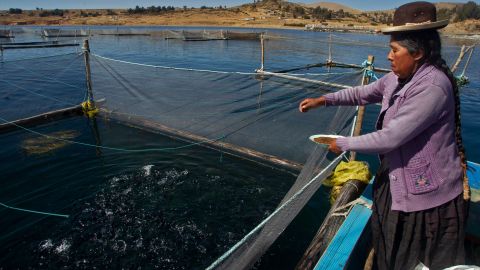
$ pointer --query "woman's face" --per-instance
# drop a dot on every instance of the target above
(403, 64)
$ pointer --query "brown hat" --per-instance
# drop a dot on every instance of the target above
(415, 16)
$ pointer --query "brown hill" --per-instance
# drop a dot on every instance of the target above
(265, 13)
(336, 7)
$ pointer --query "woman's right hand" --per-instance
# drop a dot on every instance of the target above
(311, 103)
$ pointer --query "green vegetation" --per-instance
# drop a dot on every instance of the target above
(15, 11)
(327, 14)
(111, 12)
(445, 13)
(322, 13)
(150, 10)
(55, 12)
(298, 12)
(294, 24)
(89, 14)
(470, 10)
(206, 7)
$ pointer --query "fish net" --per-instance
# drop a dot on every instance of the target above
(29, 87)
(245, 114)
(187, 35)
(250, 115)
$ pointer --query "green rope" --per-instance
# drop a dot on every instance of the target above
(462, 80)
(113, 148)
(35, 212)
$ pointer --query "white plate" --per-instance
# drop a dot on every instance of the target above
(313, 137)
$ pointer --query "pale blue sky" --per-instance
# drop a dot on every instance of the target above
(91, 4)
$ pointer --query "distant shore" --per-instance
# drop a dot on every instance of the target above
(215, 18)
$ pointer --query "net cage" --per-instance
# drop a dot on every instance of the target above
(249, 115)
(187, 35)
(31, 87)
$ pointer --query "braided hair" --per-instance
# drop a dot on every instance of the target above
(429, 42)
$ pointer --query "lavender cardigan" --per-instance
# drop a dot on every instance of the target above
(417, 137)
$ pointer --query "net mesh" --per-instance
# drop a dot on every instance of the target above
(31, 87)
(248, 112)
(142, 31)
(251, 115)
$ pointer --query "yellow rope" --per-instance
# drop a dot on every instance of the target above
(89, 108)
(344, 172)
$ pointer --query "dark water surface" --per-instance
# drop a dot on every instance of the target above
(175, 209)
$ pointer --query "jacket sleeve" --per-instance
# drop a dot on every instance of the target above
(422, 107)
(359, 95)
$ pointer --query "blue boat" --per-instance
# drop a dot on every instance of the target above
(349, 247)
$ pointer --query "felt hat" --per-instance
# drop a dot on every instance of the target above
(415, 16)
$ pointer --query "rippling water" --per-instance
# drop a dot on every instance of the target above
(171, 209)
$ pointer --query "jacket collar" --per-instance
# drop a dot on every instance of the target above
(420, 73)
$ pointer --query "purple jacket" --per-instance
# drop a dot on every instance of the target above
(417, 138)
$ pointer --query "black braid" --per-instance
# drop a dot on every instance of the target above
(430, 43)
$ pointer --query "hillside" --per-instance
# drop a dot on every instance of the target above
(336, 7)
(265, 13)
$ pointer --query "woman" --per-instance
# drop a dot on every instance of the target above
(418, 211)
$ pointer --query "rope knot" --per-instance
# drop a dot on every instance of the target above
(369, 70)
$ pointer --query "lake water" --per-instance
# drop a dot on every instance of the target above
(173, 209)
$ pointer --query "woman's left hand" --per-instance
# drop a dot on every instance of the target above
(334, 148)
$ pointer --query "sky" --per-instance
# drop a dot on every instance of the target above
(105, 4)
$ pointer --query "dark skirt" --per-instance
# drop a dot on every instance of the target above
(402, 240)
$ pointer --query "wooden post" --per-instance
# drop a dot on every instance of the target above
(459, 59)
(329, 61)
(330, 48)
(468, 59)
(86, 53)
(262, 44)
(361, 109)
(96, 135)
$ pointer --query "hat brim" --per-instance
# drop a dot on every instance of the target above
(415, 27)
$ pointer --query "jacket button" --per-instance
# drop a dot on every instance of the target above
(393, 177)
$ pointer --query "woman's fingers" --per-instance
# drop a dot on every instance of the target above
(334, 148)
(331, 142)
(311, 103)
(305, 105)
